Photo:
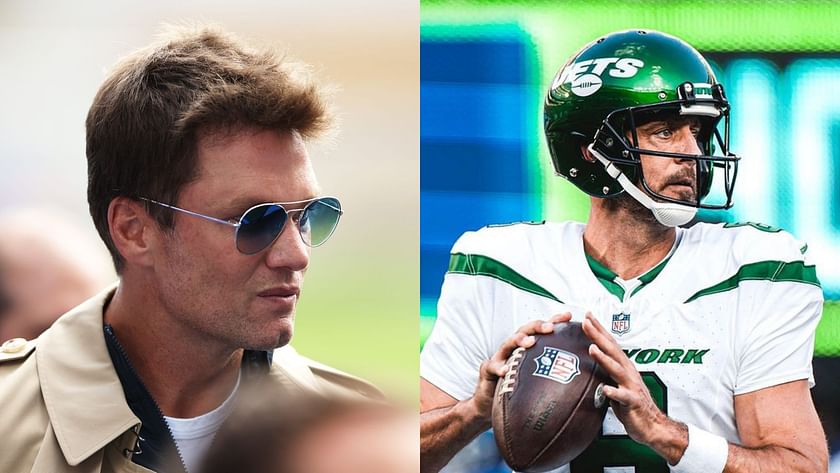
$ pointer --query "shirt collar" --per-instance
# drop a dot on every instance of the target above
(617, 286)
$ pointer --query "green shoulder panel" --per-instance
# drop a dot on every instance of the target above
(479, 265)
(773, 271)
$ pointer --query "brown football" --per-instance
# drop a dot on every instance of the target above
(549, 406)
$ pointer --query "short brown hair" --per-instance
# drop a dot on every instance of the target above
(143, 126)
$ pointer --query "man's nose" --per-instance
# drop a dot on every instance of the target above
(288, 250)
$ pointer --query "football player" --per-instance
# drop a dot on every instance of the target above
(707, 331)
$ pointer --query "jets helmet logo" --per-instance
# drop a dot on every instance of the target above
(584, 77)
(557, 365)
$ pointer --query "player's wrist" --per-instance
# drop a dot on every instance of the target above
(667, 437)
(474, 412)
(705, 453)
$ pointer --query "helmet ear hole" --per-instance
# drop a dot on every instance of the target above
(582, 141)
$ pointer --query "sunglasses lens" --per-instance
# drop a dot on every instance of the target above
(259, 227)
(319, 220)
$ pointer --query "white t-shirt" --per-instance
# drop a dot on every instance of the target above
(194, 436)
(732, 310)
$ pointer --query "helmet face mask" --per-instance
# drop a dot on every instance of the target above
(620, 82)
(617, 139)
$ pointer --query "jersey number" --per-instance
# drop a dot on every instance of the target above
(620, 450)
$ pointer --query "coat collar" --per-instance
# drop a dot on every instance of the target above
(80, 387)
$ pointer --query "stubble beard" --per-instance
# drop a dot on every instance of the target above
(185, 296)
(624, 204)
(195, 300)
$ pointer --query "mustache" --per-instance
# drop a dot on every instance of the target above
(687, 177)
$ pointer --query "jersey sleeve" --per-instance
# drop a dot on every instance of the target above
(461, 338)
(783, 309)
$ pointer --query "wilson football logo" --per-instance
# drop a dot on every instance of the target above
(584, 77)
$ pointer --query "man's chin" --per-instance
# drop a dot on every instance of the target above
(280, 341)
(271, 338)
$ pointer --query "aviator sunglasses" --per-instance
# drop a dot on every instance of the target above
(261, 224)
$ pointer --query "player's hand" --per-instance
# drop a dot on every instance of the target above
(630, 400)
(494, 368)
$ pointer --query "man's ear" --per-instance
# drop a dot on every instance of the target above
(586, 154)
(133, 230)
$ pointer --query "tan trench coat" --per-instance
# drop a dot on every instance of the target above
(62, 407)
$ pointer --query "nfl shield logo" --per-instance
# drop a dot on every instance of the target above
(557, 365)
(620, 323)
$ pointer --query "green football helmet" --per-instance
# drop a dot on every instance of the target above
(618, 82)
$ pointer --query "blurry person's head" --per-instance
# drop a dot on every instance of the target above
(316, 435)
(201, 186)
(47, 266)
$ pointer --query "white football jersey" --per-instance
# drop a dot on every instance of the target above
(732, 309)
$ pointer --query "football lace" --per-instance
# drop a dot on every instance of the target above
(510, 376)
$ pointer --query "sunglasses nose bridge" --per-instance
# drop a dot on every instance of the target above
(293, 221)
(275, 234)
(295, 215)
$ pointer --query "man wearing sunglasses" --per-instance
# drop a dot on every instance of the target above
(200, 185)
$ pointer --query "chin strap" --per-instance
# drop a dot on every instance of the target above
(668, 214)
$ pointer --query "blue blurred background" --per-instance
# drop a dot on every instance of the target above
(485, 67)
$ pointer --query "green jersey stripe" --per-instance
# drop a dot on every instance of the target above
(478, 265)
(606, 277)
(773, 271)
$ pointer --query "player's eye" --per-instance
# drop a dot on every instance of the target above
(664, 133)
